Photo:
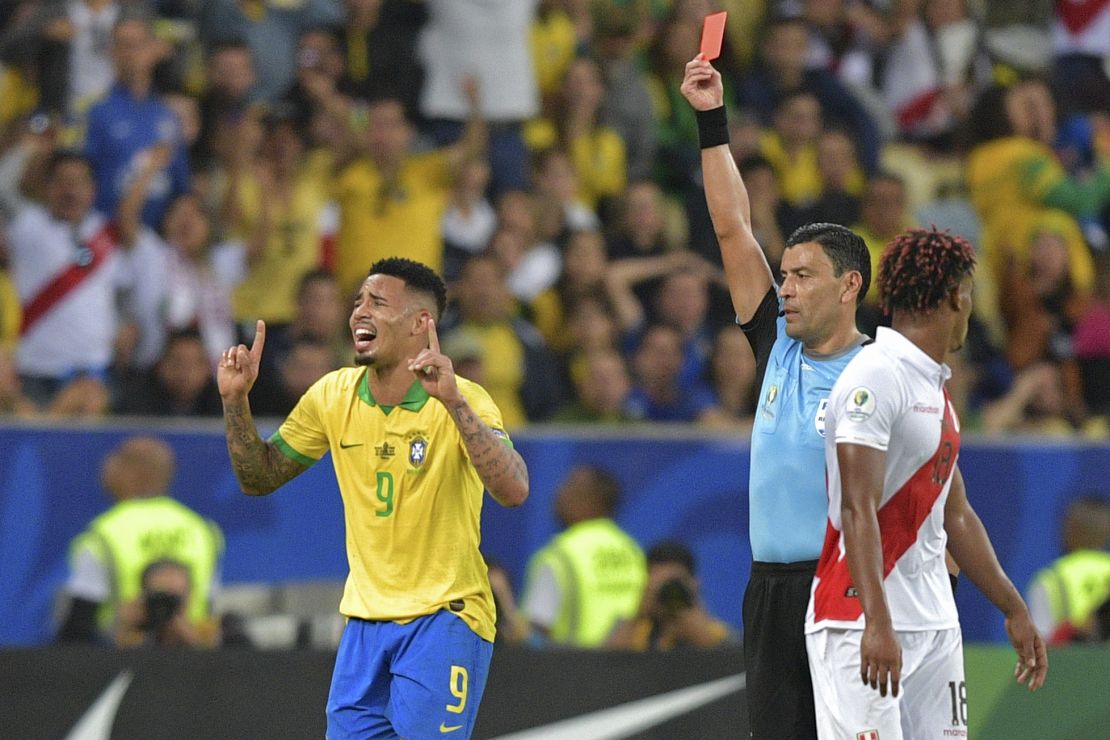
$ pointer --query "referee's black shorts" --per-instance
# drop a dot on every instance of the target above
(779, 691)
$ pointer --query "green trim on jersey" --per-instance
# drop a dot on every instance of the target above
(414, 399)
(286, 449)
(412, 499)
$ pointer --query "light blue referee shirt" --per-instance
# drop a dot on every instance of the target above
(788, 503)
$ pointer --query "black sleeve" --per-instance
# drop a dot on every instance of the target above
(762, 331)
(544, 390)
(80, 623)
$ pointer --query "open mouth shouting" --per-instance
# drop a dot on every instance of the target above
(364, 339)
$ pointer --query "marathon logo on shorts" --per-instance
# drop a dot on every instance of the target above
(868, 735)
(851, 593)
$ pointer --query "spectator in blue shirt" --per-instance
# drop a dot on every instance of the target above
(131, 119)
(658, 394)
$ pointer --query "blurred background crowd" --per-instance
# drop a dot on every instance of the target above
(173, 170)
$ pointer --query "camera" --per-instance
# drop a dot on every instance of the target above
(675, 595)
(161, 607)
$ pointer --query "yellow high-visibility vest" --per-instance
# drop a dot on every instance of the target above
(601, 572)
(138, 532)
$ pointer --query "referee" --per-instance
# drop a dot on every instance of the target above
(803, 332)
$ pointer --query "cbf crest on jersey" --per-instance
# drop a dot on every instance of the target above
(418, 449)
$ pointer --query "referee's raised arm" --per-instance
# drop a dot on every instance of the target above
(746, 269)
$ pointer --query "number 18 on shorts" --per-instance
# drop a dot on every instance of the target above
(931, 703)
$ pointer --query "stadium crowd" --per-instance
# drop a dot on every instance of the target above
(173, 170)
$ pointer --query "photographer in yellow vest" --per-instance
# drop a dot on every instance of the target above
(1065, 595)
(115, 595)
(590, 576)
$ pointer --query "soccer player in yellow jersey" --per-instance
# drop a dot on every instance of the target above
(413, 446)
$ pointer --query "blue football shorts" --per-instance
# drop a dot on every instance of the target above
(418, 680)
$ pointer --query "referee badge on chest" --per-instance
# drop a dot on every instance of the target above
(769, 402)
(819, 419)
(418, 449)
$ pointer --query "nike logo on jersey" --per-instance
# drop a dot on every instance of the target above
(345, 446)
(444, 728)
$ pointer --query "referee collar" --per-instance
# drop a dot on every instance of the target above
(414, 399)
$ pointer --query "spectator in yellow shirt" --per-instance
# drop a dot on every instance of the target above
(791, 147)
(597, 151)
(554, 40)
(520, 372)
(883, 216)
(1015, 181)
(11, 313)
(391, 200)
(279, 208)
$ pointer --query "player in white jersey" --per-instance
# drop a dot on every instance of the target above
(882, 612)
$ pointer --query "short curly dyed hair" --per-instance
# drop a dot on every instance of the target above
(920, 267)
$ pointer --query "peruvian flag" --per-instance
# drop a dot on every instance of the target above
(1076, 15)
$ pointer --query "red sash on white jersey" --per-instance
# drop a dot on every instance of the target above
(1077, 14)
(835, 597)
(92, 256)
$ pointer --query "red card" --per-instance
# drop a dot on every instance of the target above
(713, 35)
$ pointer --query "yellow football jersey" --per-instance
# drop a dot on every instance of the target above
(1008, 180)
(379, 218)
(269, 289)
(412, 499)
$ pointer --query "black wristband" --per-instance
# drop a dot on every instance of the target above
(712, 127)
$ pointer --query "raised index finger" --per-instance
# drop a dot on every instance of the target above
(433, 338)
(259, 340)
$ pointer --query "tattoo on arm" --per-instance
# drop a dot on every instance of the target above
(500, 467)
(259, 466)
